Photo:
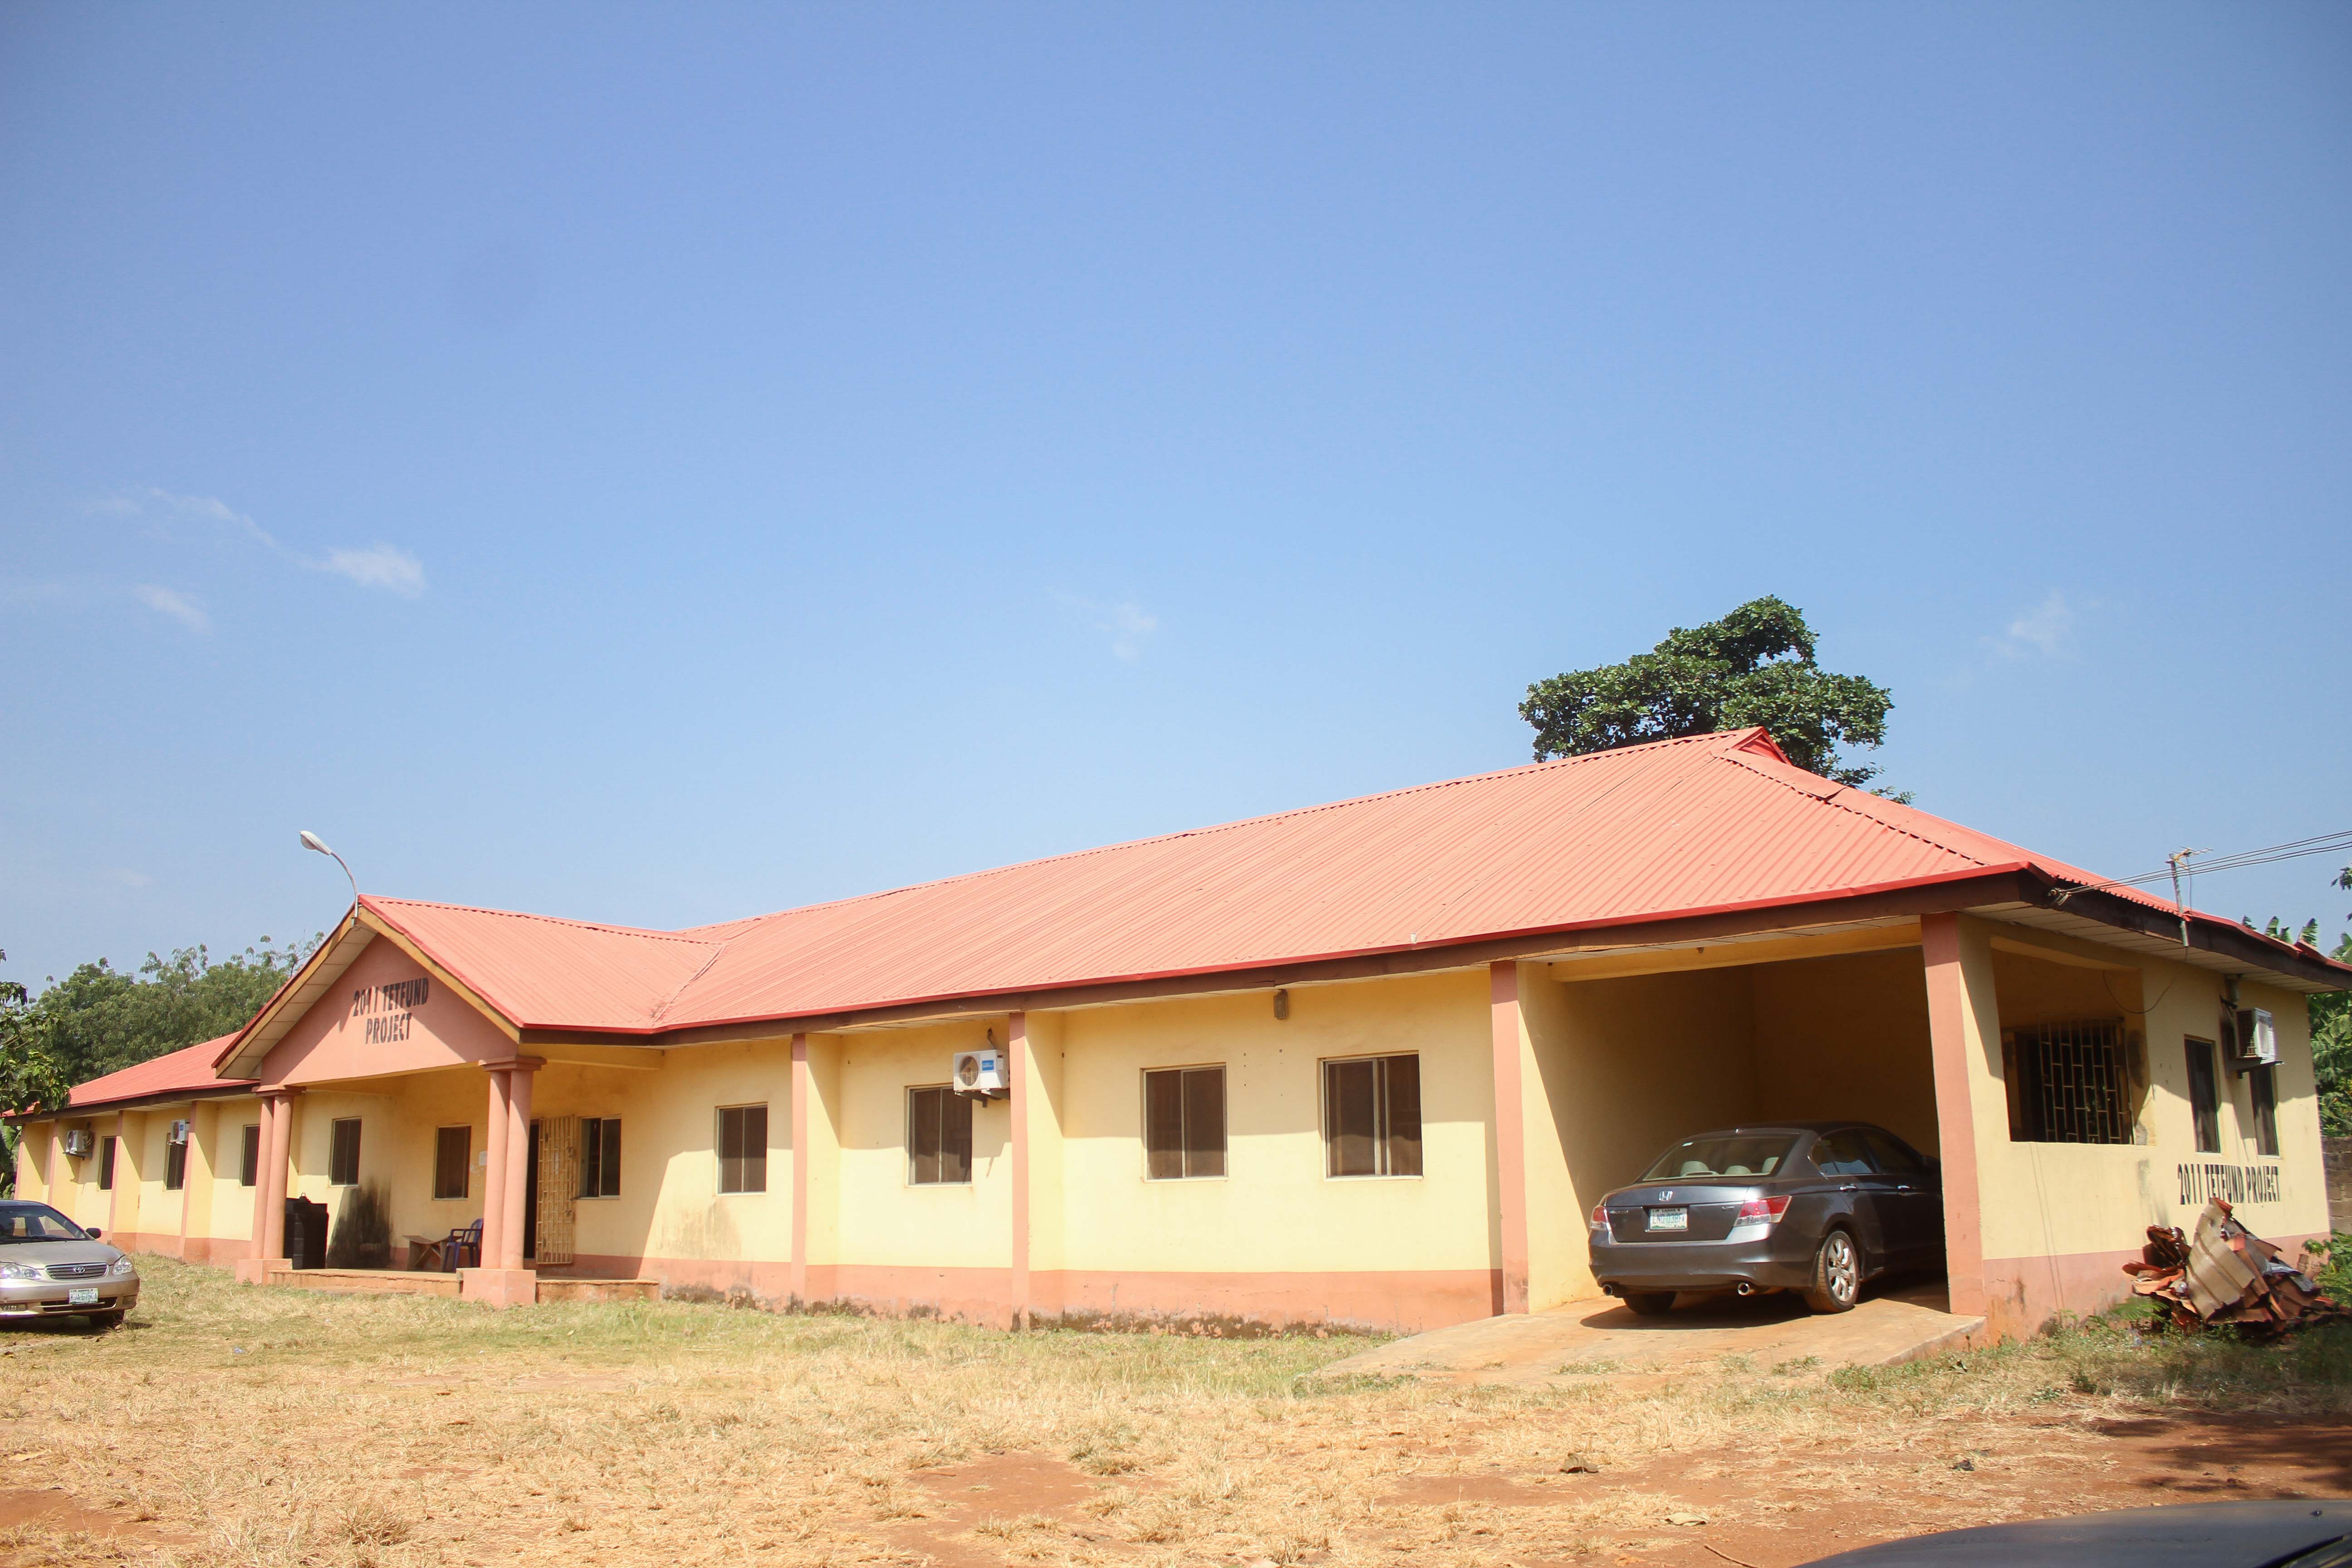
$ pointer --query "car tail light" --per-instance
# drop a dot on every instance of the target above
(1762, 1211)
(1600, 1216)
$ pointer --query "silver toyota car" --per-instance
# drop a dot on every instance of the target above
(50, 1267)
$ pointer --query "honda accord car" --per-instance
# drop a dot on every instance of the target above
(50, 1267)
(1812, 1207)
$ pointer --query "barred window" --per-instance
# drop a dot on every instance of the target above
(2068, 1083)
(453, 1160)
(939, 1137)
(1372, 1116)
(2262, 1082)
(175, 1159)
(343, 1154)
(248, 1167)
(743, 1149)
(1184, 1123)
(600, 1157)
(2204, 1095)
(106, 1165)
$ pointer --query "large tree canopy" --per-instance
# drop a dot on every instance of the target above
(1755, 666)
(98, 1020)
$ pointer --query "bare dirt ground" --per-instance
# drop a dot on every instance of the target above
(226, 1426)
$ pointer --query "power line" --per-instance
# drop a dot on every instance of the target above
(2185, 861)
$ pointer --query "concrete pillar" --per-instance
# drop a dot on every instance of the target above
(517, 1192)
(130, 1172)
(1032, 1049)
(1963, 1027)
(270, 1187)
(494, 1172)
(1510, 1130)
(800, 1126)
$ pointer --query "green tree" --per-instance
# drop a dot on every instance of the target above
(1755, 666)
(29, 1075)
(98, 1020)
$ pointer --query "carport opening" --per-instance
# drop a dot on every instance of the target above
(1633, 1064)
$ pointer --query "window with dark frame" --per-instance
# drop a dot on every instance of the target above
(1372, 1116)
(600, 1157)
(453, 1160)
(1183, 1123)
(939, 1137)
(2204, 1095)
(2262, 1085)
(175, 1159)
(343, 1152)
(743, 1149)
(2068, 1083)
(248, 1169)
(106, 1165)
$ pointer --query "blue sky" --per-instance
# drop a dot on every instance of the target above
(661, 465)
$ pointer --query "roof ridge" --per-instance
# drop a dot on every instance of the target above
(1729, 739)
(683, 934)
(1750, 760)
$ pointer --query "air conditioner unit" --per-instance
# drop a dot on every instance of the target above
(77, 1143)
(980, 1073)
(2256, 1041)
(179, 1133)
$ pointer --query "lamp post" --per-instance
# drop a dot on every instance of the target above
(312, 841)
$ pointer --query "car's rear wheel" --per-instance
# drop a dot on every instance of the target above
(1837, 1275)
(1651, 1303)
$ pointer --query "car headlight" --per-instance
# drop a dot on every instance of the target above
(122, 1268)
(19, 1271)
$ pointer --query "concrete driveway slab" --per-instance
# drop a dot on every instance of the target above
(1603, 1336)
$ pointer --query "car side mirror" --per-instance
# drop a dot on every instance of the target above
(91, 1233)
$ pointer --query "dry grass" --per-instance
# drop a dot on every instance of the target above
(263, 1428)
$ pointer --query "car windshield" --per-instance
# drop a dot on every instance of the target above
(1723, 1154)
(36, 1222)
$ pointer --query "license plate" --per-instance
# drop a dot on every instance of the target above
(1670, 1219)
(85, 1297)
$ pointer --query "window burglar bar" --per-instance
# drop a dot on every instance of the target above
(2067, 1083)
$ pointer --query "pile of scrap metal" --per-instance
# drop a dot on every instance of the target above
(2226, 1274)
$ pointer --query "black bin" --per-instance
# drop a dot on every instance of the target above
(305, 1233)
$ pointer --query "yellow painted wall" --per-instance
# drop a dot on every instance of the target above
(2046, 1200)
(886, 1220)
(1846, 1036)
(1628, 1066)
(1276, 1211)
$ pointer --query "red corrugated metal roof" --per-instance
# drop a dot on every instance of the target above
(1676, 827)
(188, 1071)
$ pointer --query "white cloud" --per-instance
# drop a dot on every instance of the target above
(2040, 629)
(179, 606)
(1127, 623)
(148, 502)
(384, 566)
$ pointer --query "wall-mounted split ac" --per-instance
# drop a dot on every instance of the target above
(77, 1143)
(980, 1073)
(2253, 1040)
(179, 1133)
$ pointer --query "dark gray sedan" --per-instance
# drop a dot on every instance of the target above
(1814, 1206)
(50, 1267)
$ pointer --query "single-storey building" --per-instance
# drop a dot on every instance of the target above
(1371, 1062)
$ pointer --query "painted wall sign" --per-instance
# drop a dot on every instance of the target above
(390, 1009)
(2231, 1183)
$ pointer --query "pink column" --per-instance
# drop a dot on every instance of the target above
(1954, 1024)
(800, 1167)
(494, 1175)
(517, 1190)
(1016, 1050)
(1510, 1131)
(277, 1155)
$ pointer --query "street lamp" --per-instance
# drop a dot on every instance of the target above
(312, 841)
